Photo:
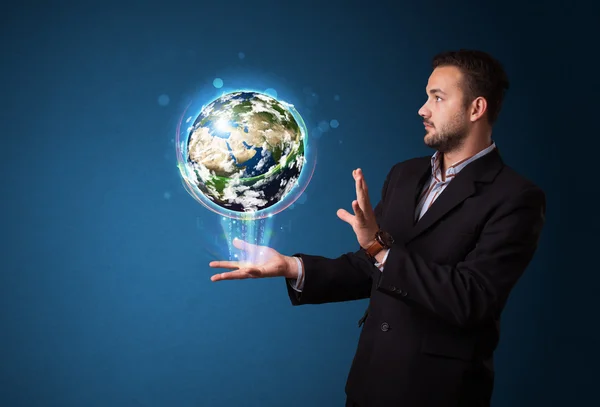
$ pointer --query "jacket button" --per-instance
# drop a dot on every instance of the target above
(385, 327)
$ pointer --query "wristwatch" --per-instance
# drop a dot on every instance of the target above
(383, 240)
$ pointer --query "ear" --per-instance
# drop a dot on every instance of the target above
(478, 108)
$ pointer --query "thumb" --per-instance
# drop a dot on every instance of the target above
(345, 216)
(247, 246)
(253, 253)
(242, 244)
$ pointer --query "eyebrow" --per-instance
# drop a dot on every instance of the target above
(432, 91)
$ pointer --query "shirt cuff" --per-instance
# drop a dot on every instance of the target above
(380, 265)
(298, 284)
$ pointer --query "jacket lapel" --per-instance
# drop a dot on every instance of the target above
(483, 169)
(407, 187)
(457, 191)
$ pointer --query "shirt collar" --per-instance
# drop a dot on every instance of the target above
(455, 168)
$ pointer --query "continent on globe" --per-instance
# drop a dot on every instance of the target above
(246, 150)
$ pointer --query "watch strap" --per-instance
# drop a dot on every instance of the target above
(374, 248)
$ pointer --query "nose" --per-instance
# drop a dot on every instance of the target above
(424, 112)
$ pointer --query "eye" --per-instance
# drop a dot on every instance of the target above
(437, 97)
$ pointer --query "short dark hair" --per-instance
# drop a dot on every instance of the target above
(484, 76)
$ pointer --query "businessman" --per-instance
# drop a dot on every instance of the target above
(439, 254)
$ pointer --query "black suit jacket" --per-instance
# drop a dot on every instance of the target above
(434, 312)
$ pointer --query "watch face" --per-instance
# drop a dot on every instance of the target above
(386, 238)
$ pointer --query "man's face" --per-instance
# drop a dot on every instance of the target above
(445, 116)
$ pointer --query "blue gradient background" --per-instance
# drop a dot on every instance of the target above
(105, 296)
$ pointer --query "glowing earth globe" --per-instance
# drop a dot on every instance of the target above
(246, 151)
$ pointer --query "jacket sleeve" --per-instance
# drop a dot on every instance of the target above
(477, 287)
(345, 278)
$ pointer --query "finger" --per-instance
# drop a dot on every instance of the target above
(225, 264)
(362, 193)
(235, 275)
(360, 215)
(358, 186)
(368, 208)
(364, 183)
(345, 216)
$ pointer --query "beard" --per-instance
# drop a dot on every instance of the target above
(449, 137)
